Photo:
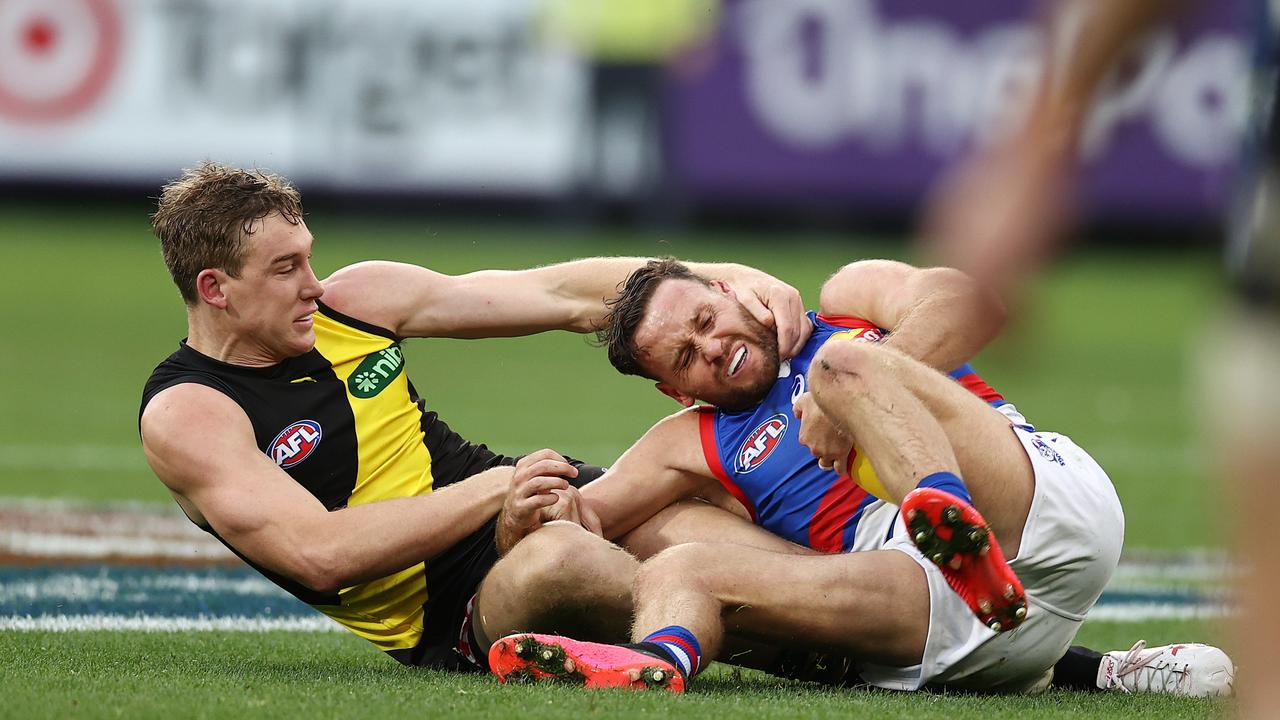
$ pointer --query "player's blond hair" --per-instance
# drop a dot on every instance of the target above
(204, 217)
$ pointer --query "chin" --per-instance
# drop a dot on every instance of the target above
(303, 344)
(746, 397)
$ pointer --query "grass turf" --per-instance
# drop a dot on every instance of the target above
(233, 675)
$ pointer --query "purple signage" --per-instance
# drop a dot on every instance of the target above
(863, 102)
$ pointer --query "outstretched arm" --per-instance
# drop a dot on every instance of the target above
(413, 301)
(939, 316)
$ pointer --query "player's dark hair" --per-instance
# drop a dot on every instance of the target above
(628, 309)
(204, 217)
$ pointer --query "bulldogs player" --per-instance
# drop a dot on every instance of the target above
(821, 450)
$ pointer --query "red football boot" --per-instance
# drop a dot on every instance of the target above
(952, 535)
(528, 657)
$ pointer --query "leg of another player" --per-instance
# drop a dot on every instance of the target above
(700, 521)
(874, 605)
(560, 578)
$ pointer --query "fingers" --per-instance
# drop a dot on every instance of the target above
(801, 405)
(547, 466)
(841, 465)
(787, 310)
(757, 308)
(543, 454)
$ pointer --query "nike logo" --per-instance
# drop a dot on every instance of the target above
(302, 380)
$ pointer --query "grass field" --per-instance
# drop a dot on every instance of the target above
(1103, 354)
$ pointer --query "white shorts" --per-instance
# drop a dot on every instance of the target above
(1070, 546)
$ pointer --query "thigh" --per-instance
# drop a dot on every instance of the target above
(691, 521)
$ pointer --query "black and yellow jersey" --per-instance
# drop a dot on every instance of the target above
(344, 421)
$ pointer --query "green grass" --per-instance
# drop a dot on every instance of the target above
(234, 675)
(1102, 354)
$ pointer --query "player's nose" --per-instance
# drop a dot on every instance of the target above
(312, 289)
(713, 348)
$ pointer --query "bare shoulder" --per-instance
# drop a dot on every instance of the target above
(189, 431)
(381, 292)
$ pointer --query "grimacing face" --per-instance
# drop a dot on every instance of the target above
(700, 343)
(272, 301)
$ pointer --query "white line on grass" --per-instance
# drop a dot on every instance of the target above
(145, 623)
(79, 587)
(54, 545)
(1145, 612)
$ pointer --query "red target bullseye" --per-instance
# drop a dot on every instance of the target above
(56, 56)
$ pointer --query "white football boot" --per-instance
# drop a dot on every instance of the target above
(1186, 670)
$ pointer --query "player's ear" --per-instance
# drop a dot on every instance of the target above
(674, 394)
(209, 287)
(723, 287)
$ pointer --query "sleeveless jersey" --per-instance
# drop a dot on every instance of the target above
(757, 456)
(345, 423)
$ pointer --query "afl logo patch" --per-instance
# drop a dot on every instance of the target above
(295, 443)
(761, 443)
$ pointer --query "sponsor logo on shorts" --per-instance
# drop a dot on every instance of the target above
(295, 443)
(376, 372)
(1047, 452)
(761, 443)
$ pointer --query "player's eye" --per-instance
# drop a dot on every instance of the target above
(684, 360)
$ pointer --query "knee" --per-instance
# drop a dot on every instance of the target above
(683, 565)
(850, 366)
(561, 554)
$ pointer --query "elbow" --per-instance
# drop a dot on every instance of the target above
(320, 570)
(987, 310)
(991, 309)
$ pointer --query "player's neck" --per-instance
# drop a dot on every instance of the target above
(206, 337)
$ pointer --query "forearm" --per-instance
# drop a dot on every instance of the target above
(588, 284)
(364, 542)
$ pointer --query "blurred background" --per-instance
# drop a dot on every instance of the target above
(794, 135)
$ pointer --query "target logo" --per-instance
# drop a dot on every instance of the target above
(56, 56)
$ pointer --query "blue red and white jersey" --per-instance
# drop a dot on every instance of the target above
(757, 456)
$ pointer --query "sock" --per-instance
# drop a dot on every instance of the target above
(676, 645)
(947, 482)
(1078, 669)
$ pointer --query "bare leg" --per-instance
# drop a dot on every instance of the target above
(560, 578)
(912, 421)
(563, 579)
(835, 602)
(698, 521)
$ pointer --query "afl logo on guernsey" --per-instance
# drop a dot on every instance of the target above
(295, 443)
(761, 443)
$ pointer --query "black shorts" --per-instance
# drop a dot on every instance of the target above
(454, 576)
